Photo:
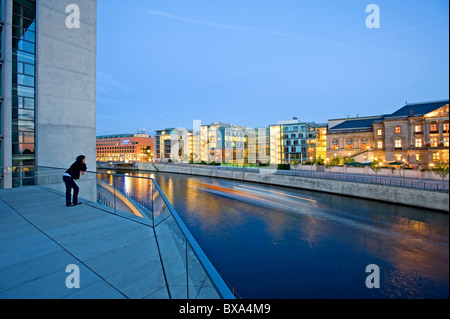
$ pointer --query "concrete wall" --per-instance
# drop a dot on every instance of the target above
(66, 84)
(397, 195)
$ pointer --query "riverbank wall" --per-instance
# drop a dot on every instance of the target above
(398, 195)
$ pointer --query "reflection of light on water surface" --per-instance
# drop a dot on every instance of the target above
(310, 239)
(279, 193)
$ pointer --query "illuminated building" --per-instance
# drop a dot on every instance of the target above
(416, 134)
(125, 148)
(292, 142)
(174, 144)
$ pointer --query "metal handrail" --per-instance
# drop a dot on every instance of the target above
(218, 282)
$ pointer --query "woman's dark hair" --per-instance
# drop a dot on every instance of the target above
(80, 158)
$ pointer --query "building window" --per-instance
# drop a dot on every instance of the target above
(398, 144)
(418, 129)
(379, 132)
(349, 144)
(446, 142)
(398, 129)
(398, 157)
(436, 157)
(434, 142)
(445, 127)
(433, 128)
(418, 142)
(380, 144)
(419, 157)
(23, 91)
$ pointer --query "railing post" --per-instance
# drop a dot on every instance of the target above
(114, 195)
(187, 270)
(153, 206)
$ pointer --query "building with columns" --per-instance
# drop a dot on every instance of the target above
(416, 134)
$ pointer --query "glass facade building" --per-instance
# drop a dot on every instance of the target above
(47, 71)
(23, 91)
(2, 22)
(290, 142)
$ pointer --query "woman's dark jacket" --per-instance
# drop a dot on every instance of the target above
(75, 169)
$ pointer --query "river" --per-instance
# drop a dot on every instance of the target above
(285, 243)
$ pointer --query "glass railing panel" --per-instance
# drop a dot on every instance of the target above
(200, 285)
(172, 247)
(188, 272)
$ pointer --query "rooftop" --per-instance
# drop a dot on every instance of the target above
(419, 109)
(362, 123)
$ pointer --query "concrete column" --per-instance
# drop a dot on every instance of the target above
(427, 133)
(7, 95)
(66, 86)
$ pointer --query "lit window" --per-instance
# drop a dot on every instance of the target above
(446, 142)
(419, 157)
(418, 128)
(434, 142)
(380, 144)
(436, 157)
(433, 128)
(398, 157)
(445, 127)
(398, 129)
(418, 142)
(379, 132)
(398, 143)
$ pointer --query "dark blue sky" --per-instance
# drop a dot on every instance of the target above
(165, 63)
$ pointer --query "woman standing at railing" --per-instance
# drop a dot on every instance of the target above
(72, 174)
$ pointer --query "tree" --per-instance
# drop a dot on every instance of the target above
(375, 166)
(441, 170)
(348, 160)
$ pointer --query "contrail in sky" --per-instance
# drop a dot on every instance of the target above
(243, 28)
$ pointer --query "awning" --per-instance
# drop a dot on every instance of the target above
(396, 163)
(358, 164)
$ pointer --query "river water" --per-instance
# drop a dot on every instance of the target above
(276, 242)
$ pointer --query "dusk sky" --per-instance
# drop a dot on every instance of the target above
(165, 63)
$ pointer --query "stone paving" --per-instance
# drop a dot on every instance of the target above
(117, 256)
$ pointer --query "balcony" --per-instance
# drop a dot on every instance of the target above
(131, 246)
